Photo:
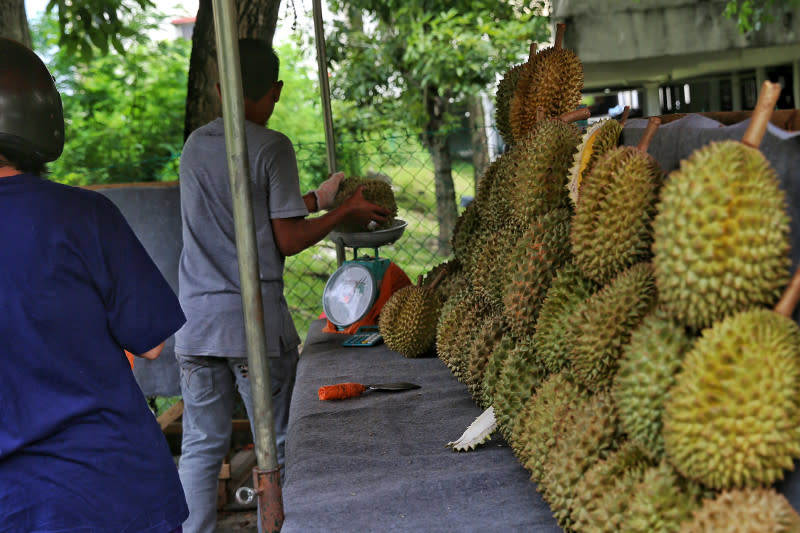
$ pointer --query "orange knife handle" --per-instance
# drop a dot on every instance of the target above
(341, 391)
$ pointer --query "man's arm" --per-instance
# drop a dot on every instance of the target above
(293, 235)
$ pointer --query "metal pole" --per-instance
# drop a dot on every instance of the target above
(325, 94)
(267, 475)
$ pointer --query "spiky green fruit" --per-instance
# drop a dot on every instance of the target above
(408, 320)
(467, 226)
(732, 418)
(534, 429)
(646, 372)
(603, 495)
(494, 365)
(553, 80)
(532, 263)
(457, 328)
(721, 235)
(489, 269)
(553, 342)
(452, 281)
(598, 139)
(505, 91)
(661, 501)
(492, 199)
(585, 434)
(612, 226)
(602, 325)
(540, 165)
(491, 332)
(521, 374)
(745, 511)
(377, 191)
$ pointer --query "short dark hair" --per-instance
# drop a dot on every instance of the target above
(260, 65)
(26, 163)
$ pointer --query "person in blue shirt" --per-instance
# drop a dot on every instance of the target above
(80, 451)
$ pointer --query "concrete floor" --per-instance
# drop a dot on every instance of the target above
(237, 522)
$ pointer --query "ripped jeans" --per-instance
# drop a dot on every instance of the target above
(207, 386)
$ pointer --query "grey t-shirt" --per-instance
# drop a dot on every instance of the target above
(208, 272)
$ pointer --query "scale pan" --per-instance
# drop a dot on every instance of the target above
(370, 239)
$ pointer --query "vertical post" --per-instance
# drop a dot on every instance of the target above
(325, 94)
(736, 91)
(796, 83)
(652, 105)
(267, 474)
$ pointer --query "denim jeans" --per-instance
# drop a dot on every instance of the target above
(207, 386)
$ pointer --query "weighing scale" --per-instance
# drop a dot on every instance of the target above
(353, 290)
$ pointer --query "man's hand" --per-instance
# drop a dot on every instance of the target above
(363, 212)
(327, 190)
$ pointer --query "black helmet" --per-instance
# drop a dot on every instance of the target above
(31, 117)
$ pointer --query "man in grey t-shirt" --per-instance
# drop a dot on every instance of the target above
(211, 347)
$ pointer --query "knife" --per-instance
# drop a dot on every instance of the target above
(342, 391)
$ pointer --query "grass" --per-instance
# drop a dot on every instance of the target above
(411, 170)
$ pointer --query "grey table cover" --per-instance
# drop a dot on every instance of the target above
(379, 462)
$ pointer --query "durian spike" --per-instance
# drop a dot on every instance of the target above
(560, 29)
(767, 98)
(649, 132)
(625, 112)
(790, 296)
(581, 113)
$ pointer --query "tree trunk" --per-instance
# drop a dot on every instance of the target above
(14, 21)
(480, 143)
(257, 18)
(436, 143)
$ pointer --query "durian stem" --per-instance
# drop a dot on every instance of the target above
(649, 132)
(624, 118)
(767, 98)
(532, 52)
(790, 296)
(540, 114)
(579, 114)
(439, 277)
(560, 29)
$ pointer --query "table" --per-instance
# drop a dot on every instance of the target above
(379, 462)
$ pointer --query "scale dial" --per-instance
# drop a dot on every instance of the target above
(349, 294)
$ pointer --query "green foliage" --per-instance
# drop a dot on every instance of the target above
(90, 25)
(751, 15)
(123, 111)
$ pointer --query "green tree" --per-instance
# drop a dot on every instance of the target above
(751, 15)
(123, 111)
(407, 61)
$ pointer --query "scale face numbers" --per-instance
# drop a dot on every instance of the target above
(349, 294)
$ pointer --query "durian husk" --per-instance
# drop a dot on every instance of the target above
(662, 501)
(408, 319)
(745, 511)
(520, 376)
(721, 235)
(553, 342)
(530, 268)
(489, 269)
(494, 365)
(535, 428)
(467, 226)
(602, 325)
(646, 372)
(491, 332)
(732, 419)
(603, 495)
(377, 191)
(612, 226)
(553, 80)
(584, 435)
(505, 91)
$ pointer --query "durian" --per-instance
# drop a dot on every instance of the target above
(552, 79)
(530, 267)
(602, 325)
(494, 365)
(612, 226)
(732, 418)
(598, 139)
(491, 332)
(661, 501)
(408, 319)
(377, 191)
(505, 91)
(721, 232)
(521, 374)
(745, 511)
(646, 372)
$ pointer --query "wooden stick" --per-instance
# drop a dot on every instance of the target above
(578, 114)
(790, 296)
(560, 29)
(532, 51)
(767, 98)
(439, 277)
(625, 113)
(649, 132)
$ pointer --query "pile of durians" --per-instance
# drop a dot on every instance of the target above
(631, 330)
